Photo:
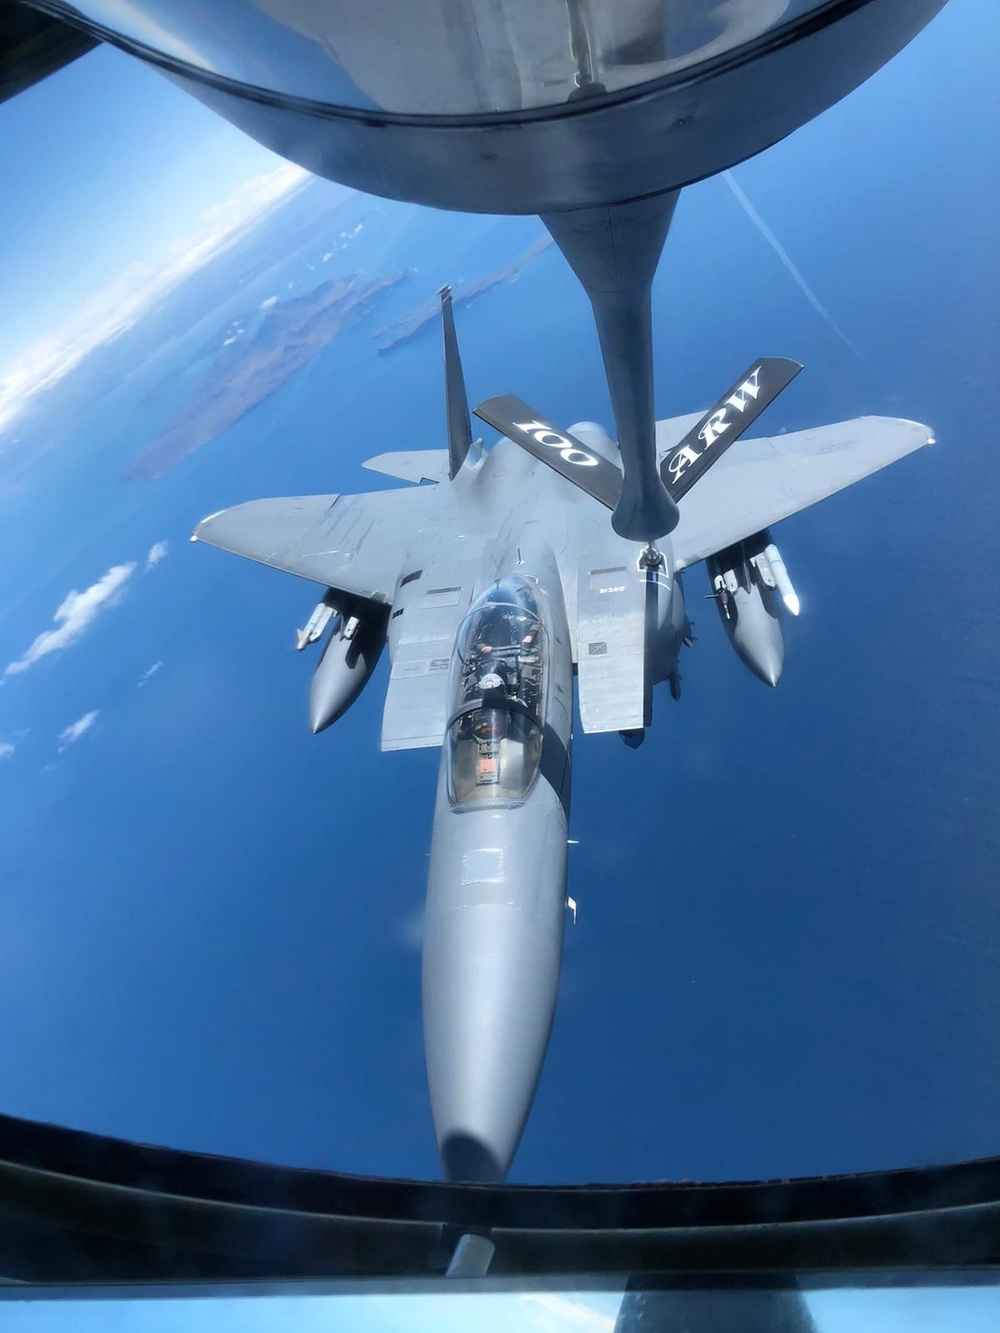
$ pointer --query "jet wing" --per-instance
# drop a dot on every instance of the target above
(760, 482)
(356, 543)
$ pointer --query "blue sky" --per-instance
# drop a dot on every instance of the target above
(887, 1310)
(208, 935)
(132, 165)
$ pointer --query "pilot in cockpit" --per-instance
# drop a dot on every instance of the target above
(493, 682)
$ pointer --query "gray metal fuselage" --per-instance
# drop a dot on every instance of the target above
(497, 881)
(495, 908)
(509, 501)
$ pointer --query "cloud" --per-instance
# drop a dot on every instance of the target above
(156, 553)
(266, 305)
(6, 749)
(148, 675)
(71, 734)
(77, 612)
(786, 260)
(140, 285)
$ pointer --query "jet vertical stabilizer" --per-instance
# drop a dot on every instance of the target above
(456, 401)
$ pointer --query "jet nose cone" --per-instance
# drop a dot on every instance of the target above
(489, 981)
(493, 927)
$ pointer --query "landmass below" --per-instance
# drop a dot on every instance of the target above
(249, 368)
(405, 327)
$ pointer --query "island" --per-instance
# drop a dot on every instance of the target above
(405, 327)
(255, 362)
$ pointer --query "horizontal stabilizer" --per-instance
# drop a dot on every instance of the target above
(723, 424)
(553, 446)
(414, 465)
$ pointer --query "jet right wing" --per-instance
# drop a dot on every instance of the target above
(766, 480)
(356, 543)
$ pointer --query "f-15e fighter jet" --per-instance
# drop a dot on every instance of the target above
(493, 589)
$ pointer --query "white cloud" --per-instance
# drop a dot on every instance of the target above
(141, 284)
(71, 734)
(156, 553)
(150, 673)
(6, 749)
(76, 613)
(266, 305)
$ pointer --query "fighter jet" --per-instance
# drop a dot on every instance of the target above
(494, 588)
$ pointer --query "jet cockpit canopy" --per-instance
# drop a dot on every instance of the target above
(498, 692)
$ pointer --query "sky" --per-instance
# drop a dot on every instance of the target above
(889, 1310)
(116, 242)
(790, 961)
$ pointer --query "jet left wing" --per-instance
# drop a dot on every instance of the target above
(356, 543)
(766, 480)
